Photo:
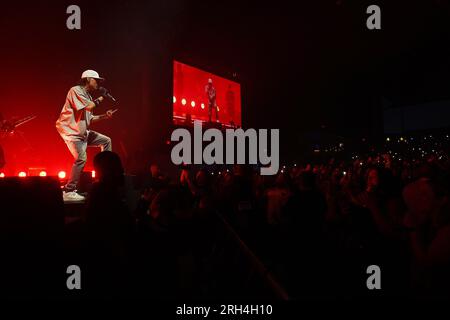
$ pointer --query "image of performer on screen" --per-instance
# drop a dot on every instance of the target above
(211, 96)
(74, 123)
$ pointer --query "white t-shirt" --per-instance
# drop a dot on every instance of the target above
(74, 120)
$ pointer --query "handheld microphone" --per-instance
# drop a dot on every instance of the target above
(110, 96)
(105, 93)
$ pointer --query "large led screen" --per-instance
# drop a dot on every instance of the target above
(200, 95)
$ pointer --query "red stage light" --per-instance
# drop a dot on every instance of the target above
(2, 175)
(42, 174)
(203, 106)
(193, 104)
(174, 99)
(61, 174)
(22, 174)
(93, 174)
(183, 102)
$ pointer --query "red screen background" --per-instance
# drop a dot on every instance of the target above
(189, 84)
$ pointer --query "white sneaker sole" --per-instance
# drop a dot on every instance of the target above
(69, 199)
(73, 200)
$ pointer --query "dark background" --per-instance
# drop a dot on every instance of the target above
(303, 66)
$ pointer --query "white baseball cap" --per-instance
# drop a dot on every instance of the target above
(91, 74)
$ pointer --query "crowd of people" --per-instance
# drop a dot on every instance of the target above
(316, 226)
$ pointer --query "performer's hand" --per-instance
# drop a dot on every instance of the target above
(109, 113)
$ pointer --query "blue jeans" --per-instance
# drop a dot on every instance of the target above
(78, 151)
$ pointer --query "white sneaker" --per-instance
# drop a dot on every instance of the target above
(72, 196)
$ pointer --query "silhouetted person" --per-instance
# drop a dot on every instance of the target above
(277, 198)
(303, 225)
(428, 223)
(110, 228)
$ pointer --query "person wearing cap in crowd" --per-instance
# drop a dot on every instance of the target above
(73, 126)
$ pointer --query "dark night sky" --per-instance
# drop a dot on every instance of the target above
(301, 65)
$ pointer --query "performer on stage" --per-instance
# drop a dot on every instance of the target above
(211, 95)
(73, 126)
